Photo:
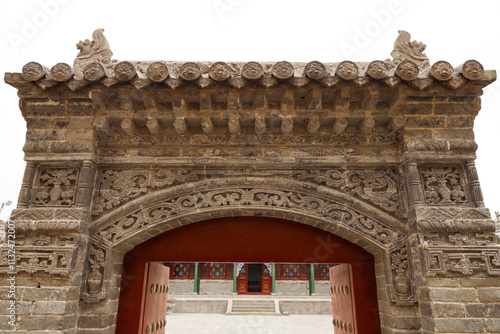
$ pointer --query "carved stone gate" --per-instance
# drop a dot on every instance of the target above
(381, 154)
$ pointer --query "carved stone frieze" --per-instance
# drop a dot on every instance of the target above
(255, 198)
(458, 239)
(450, 261)
(379, 187)
(55, 187)
(443, 186)
(343, 139)
(33, 259)
(50, 220)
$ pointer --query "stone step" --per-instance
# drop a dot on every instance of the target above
(255, 307)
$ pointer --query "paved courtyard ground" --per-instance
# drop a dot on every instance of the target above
(241, 324)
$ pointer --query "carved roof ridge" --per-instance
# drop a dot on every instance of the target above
(93, 64)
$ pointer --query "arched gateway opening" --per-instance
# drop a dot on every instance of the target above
(248, 239)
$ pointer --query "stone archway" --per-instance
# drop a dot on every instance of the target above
(380, 234)
(135, 221)
(228, 240)
(380, 154)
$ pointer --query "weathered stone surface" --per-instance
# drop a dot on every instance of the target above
(453, 294)
(470, 325)
(489, 294)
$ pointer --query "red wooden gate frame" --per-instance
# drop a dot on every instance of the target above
(248, 239)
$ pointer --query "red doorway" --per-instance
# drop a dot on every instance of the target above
(254, 279)
(249, 240)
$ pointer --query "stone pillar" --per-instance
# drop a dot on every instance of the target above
(454, 246)
(51, 246)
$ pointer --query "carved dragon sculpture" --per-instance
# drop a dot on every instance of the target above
(97, 50)
(404, 49)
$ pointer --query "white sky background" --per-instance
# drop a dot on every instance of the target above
(46, 31)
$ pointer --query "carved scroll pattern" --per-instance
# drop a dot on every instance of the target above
(442, 186)
(56, 187)
(118, 187)
(260, 198)
(444, 261)
(379, 187)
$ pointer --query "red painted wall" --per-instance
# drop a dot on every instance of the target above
(247, 239)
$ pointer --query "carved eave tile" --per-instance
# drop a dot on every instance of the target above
(138, 75)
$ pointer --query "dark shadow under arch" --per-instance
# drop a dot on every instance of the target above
(248, 239)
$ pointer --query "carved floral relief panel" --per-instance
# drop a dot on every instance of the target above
(444, 185)
(55, 187)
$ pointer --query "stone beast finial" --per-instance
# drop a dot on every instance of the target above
(404, 49)
(93, 51)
